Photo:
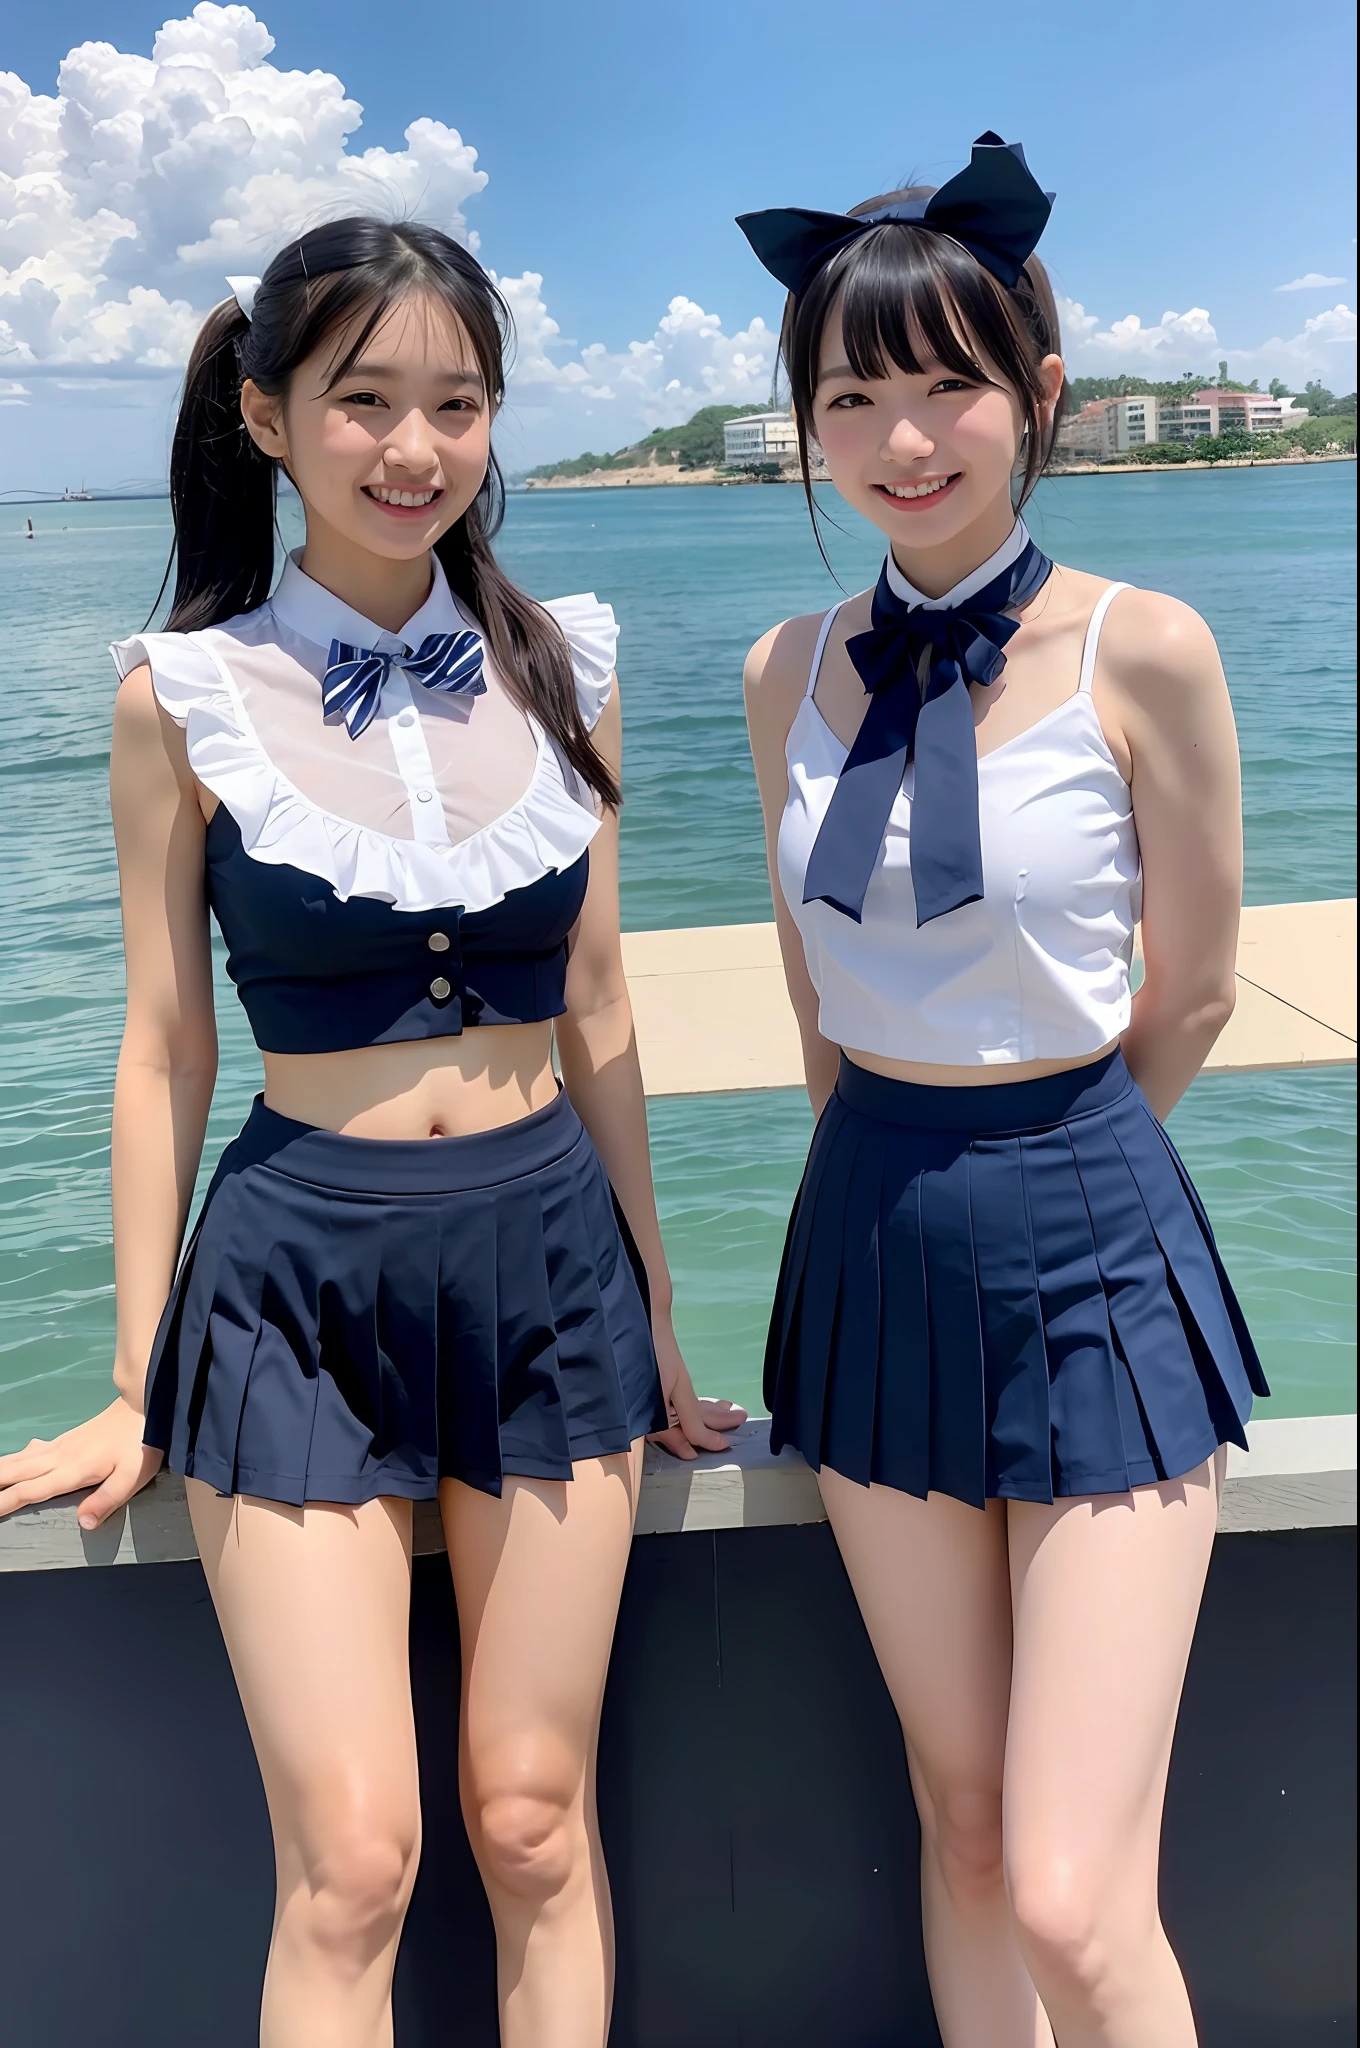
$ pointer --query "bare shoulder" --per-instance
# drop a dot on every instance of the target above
(146, 740)
(776, 673)
(1154, 647)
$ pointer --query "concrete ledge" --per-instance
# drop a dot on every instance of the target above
(1296, 978)
(1299, 1474)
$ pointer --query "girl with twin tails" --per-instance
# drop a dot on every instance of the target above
(1002, 1332)
(423, 1269)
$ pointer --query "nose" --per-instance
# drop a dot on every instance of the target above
(907, 441)
(410, 444)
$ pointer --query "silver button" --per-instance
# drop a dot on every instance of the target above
(439, 988)
(438, 942)
(426, 795)
(406, 718)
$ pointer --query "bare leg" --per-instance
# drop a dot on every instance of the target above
(932, 1584)
(538, 1575)
(1106, 1593)
(313, 1604)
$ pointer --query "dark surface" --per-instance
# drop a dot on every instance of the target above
(761, 1837)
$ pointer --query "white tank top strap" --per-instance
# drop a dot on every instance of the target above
(820, 649)
(1088, 652)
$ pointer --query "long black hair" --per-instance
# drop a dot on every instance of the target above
(902, 289)
(349, 274)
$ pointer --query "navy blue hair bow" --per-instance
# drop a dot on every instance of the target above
(994, 208)
(353, 683)
(916, 662)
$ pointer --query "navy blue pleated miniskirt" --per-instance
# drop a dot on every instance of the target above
(356, 1317)
(1008, 1291)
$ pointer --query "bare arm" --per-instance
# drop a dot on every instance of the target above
(166, 1068)
(597, 1050)
(1163, 684)
(775, 678)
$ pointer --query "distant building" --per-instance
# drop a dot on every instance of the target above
(1111, 426)
(1209, 412)
(759, 437)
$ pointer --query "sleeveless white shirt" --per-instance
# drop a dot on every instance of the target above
(1039, 968)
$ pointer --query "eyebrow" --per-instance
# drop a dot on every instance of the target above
(367, 369)
(842, 370)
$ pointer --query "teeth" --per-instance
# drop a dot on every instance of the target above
(916, 490)
(386, 496)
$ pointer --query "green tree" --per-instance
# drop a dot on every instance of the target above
(1318, 398)
(1279, 389)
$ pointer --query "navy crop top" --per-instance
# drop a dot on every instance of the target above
(371, 928)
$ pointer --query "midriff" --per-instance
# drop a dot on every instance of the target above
(925, 1074)
(421, 1088)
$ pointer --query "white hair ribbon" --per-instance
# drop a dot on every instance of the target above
(243, 290)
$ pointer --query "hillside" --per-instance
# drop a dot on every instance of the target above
(698, 444)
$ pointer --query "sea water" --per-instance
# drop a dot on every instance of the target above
(695, 576)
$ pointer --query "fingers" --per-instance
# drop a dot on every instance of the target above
(722, 1414)
(676, 1442)
(127, 1478)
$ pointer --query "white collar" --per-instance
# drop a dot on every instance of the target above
(1010, 549)
(309, 609)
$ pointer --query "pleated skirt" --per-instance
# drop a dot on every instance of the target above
(1009, 1291)
(358, 1317)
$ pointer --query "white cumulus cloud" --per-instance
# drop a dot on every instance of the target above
(1311, 281)
(126, 196)
(1325, 347)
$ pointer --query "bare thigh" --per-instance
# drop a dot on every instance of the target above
(1106, 1595)
(931, 1580)
(538, 1575)
(313, 1604)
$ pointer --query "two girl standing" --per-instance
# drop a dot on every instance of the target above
(424, 1269)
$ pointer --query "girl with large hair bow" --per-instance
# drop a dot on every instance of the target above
(1002, 1331)
(423, 1269)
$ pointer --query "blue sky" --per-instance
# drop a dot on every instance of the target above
(1200, 164)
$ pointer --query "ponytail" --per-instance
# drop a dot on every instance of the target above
(221, 486)
(347, 275)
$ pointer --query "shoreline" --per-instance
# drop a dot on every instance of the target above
(655, 479)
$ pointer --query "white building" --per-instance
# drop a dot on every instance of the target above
(1209, 412)
(759, 437)
(1110, 426)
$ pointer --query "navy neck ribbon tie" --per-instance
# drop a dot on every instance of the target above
(916, 662)
(353, 683)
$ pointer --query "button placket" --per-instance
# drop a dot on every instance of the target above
(413, 761)
(447, 954)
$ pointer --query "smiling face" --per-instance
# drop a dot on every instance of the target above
(387, 456)
(926, 455)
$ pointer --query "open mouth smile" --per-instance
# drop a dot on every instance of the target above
(398, 503)
(909, 496)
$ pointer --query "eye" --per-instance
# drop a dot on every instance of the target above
(460, 405)
(369, 398)
(847, 400)
(951, 384)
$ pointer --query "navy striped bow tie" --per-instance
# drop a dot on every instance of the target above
(353, 683)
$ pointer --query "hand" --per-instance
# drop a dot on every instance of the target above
(106, 1453)
(695, 1425)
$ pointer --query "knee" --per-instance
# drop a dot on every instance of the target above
(357, 1883)
(1062, 1931)
(528, 1840)
(963, 1828)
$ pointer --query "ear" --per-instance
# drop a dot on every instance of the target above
(264, 421)
(1051, 376)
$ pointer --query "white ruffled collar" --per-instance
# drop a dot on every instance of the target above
(1014, 545)
(308, 609)
(547, 829)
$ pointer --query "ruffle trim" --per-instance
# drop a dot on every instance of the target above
(592, 636)
(547, 830)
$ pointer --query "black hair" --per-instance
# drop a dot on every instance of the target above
(349, 274)
(902, 289)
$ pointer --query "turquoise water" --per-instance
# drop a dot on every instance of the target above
(695, 576)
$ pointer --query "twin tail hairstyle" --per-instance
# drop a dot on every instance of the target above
(901, 288)
(336, 284)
